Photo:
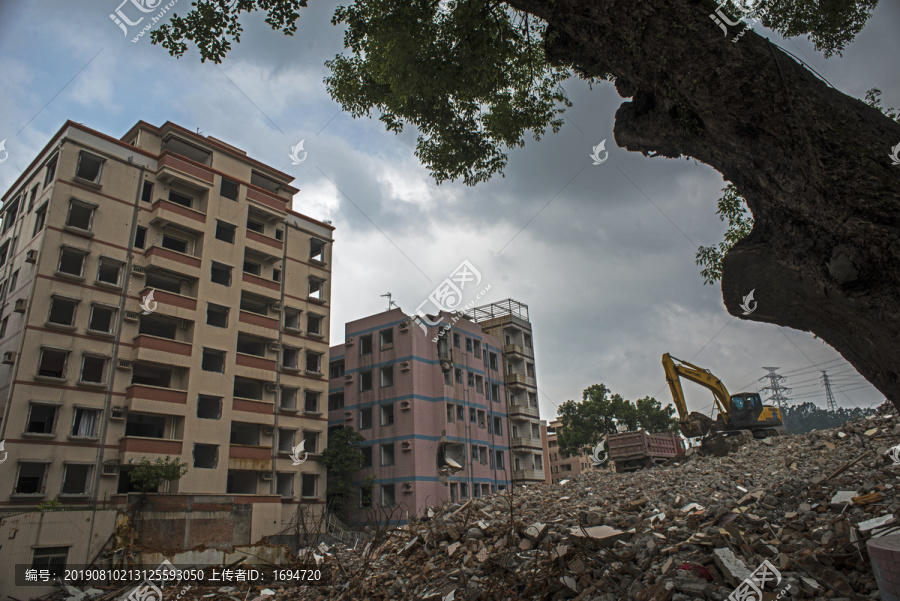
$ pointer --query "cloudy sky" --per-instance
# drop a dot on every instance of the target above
(603, 255)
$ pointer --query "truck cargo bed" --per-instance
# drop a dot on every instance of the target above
(636, 450)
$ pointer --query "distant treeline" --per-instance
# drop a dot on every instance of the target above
(808, 417)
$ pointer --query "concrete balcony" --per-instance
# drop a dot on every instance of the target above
(172, 167)
(525, 441)
(165, 212)
(523, 411)
(518, 350)
(519, 475)
(160, 350)
(520, 381)
(260, 325)
(155, 393)
(272, 248)
(269, 200)
(138, 447)
(157, 257)
(250, 458)
(255, 362)
(171, 304)
(261, 286)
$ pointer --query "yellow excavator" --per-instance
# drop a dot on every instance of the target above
(740, 414)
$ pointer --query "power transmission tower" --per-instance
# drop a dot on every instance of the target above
(829, 397)
(779, 392)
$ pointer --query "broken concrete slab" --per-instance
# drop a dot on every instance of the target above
(732, 567)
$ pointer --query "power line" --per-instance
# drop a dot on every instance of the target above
(779, 392)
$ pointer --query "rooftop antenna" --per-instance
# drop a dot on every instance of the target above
(390, 302)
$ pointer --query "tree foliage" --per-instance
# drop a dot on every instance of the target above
(147, 477)
(342, 457)
(600, 412)
(807, 417)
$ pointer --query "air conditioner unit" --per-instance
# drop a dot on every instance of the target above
(9, 357)
(407, 487)
(265, 476)
(268, 430)
(348, 415)
(276, 306)
(404, 325)
(271, 387)
(110, 469)
(124, 364)
(31, 256)
(274, 346)
(348, 378)
(406, 445)
(349, 341)
(138, 269)
(404, 405)
(404, 365)
(132, 316)
(21, 305)
(117, 412)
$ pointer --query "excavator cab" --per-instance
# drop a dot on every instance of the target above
(745, 409)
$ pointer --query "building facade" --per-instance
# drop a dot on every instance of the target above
(160, 299)
(431, 409)
(564, 467)
(508, 322)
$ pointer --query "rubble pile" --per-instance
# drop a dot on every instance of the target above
(697, 528)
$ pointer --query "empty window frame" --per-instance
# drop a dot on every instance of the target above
(40, 218)
(85, 423)
(286, 440)
(41, 418)
(252, 267)
(311, 441)
(366, 495)
(289, 398)
(89, 167)
(317, 250)
(311, 399)
(387, 414)
(388, 495)
(256, 226)
(31, 479)
(217, 315)
(103, 319)
(492, 360)
(386, 339)
(386, 376)
(9, 218)
(335, 370)
(229, 189)
(309, 485)
(180, 245)
(313, 362)
(316, 289)
(81, 215)
(335, 401)
(206, 456)
(254, 304)
(365, 380)
(225, 231)
(314, 324)
(71, 261)
(498, 426)
(52, 363)
(468, 344)
(93, 369)
(62, 310)
(481, 419)
(209, 407)
(365, 344)
(451, 412)
(76, 479)
(387, 454)
(479, 384)
(147, 192)
(180, 199)
(220, 274)
(472, 418)
(365, 418)
(292, 318)
(456, 340)
(109, 271)
(470, 377)
(51, 170)
(495, 392)
(458, 375)
(140, 237)
(250, 345)
(460, 413)
(213, 360)
(477, 347)
(284, 485)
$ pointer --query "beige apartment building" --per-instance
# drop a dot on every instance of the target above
(160, 299)
(562, 467)
(508, 321)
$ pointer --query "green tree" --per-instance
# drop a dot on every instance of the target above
(147, 477)
(653, 417)
(342, 457)
(477, 78)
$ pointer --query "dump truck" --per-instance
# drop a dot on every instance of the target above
(632, 451)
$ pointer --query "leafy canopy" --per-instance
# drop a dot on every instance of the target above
(342, 457)
(472, 76)
(599, 413)
(147, 477)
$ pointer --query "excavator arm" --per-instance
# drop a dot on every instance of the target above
(695, 424)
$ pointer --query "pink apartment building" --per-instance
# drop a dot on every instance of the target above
(433, 413)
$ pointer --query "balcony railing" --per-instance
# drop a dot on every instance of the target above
(140, 444)
(516, 410)
(156, 393)
(527, 475)
(518, 349)
(525, 441)
(165, 212)
(171, 166)
(520, 380)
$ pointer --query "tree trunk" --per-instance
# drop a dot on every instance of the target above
(811, 162)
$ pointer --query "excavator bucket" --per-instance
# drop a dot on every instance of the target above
(696, 425)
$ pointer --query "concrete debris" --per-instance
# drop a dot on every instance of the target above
(694, 528)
